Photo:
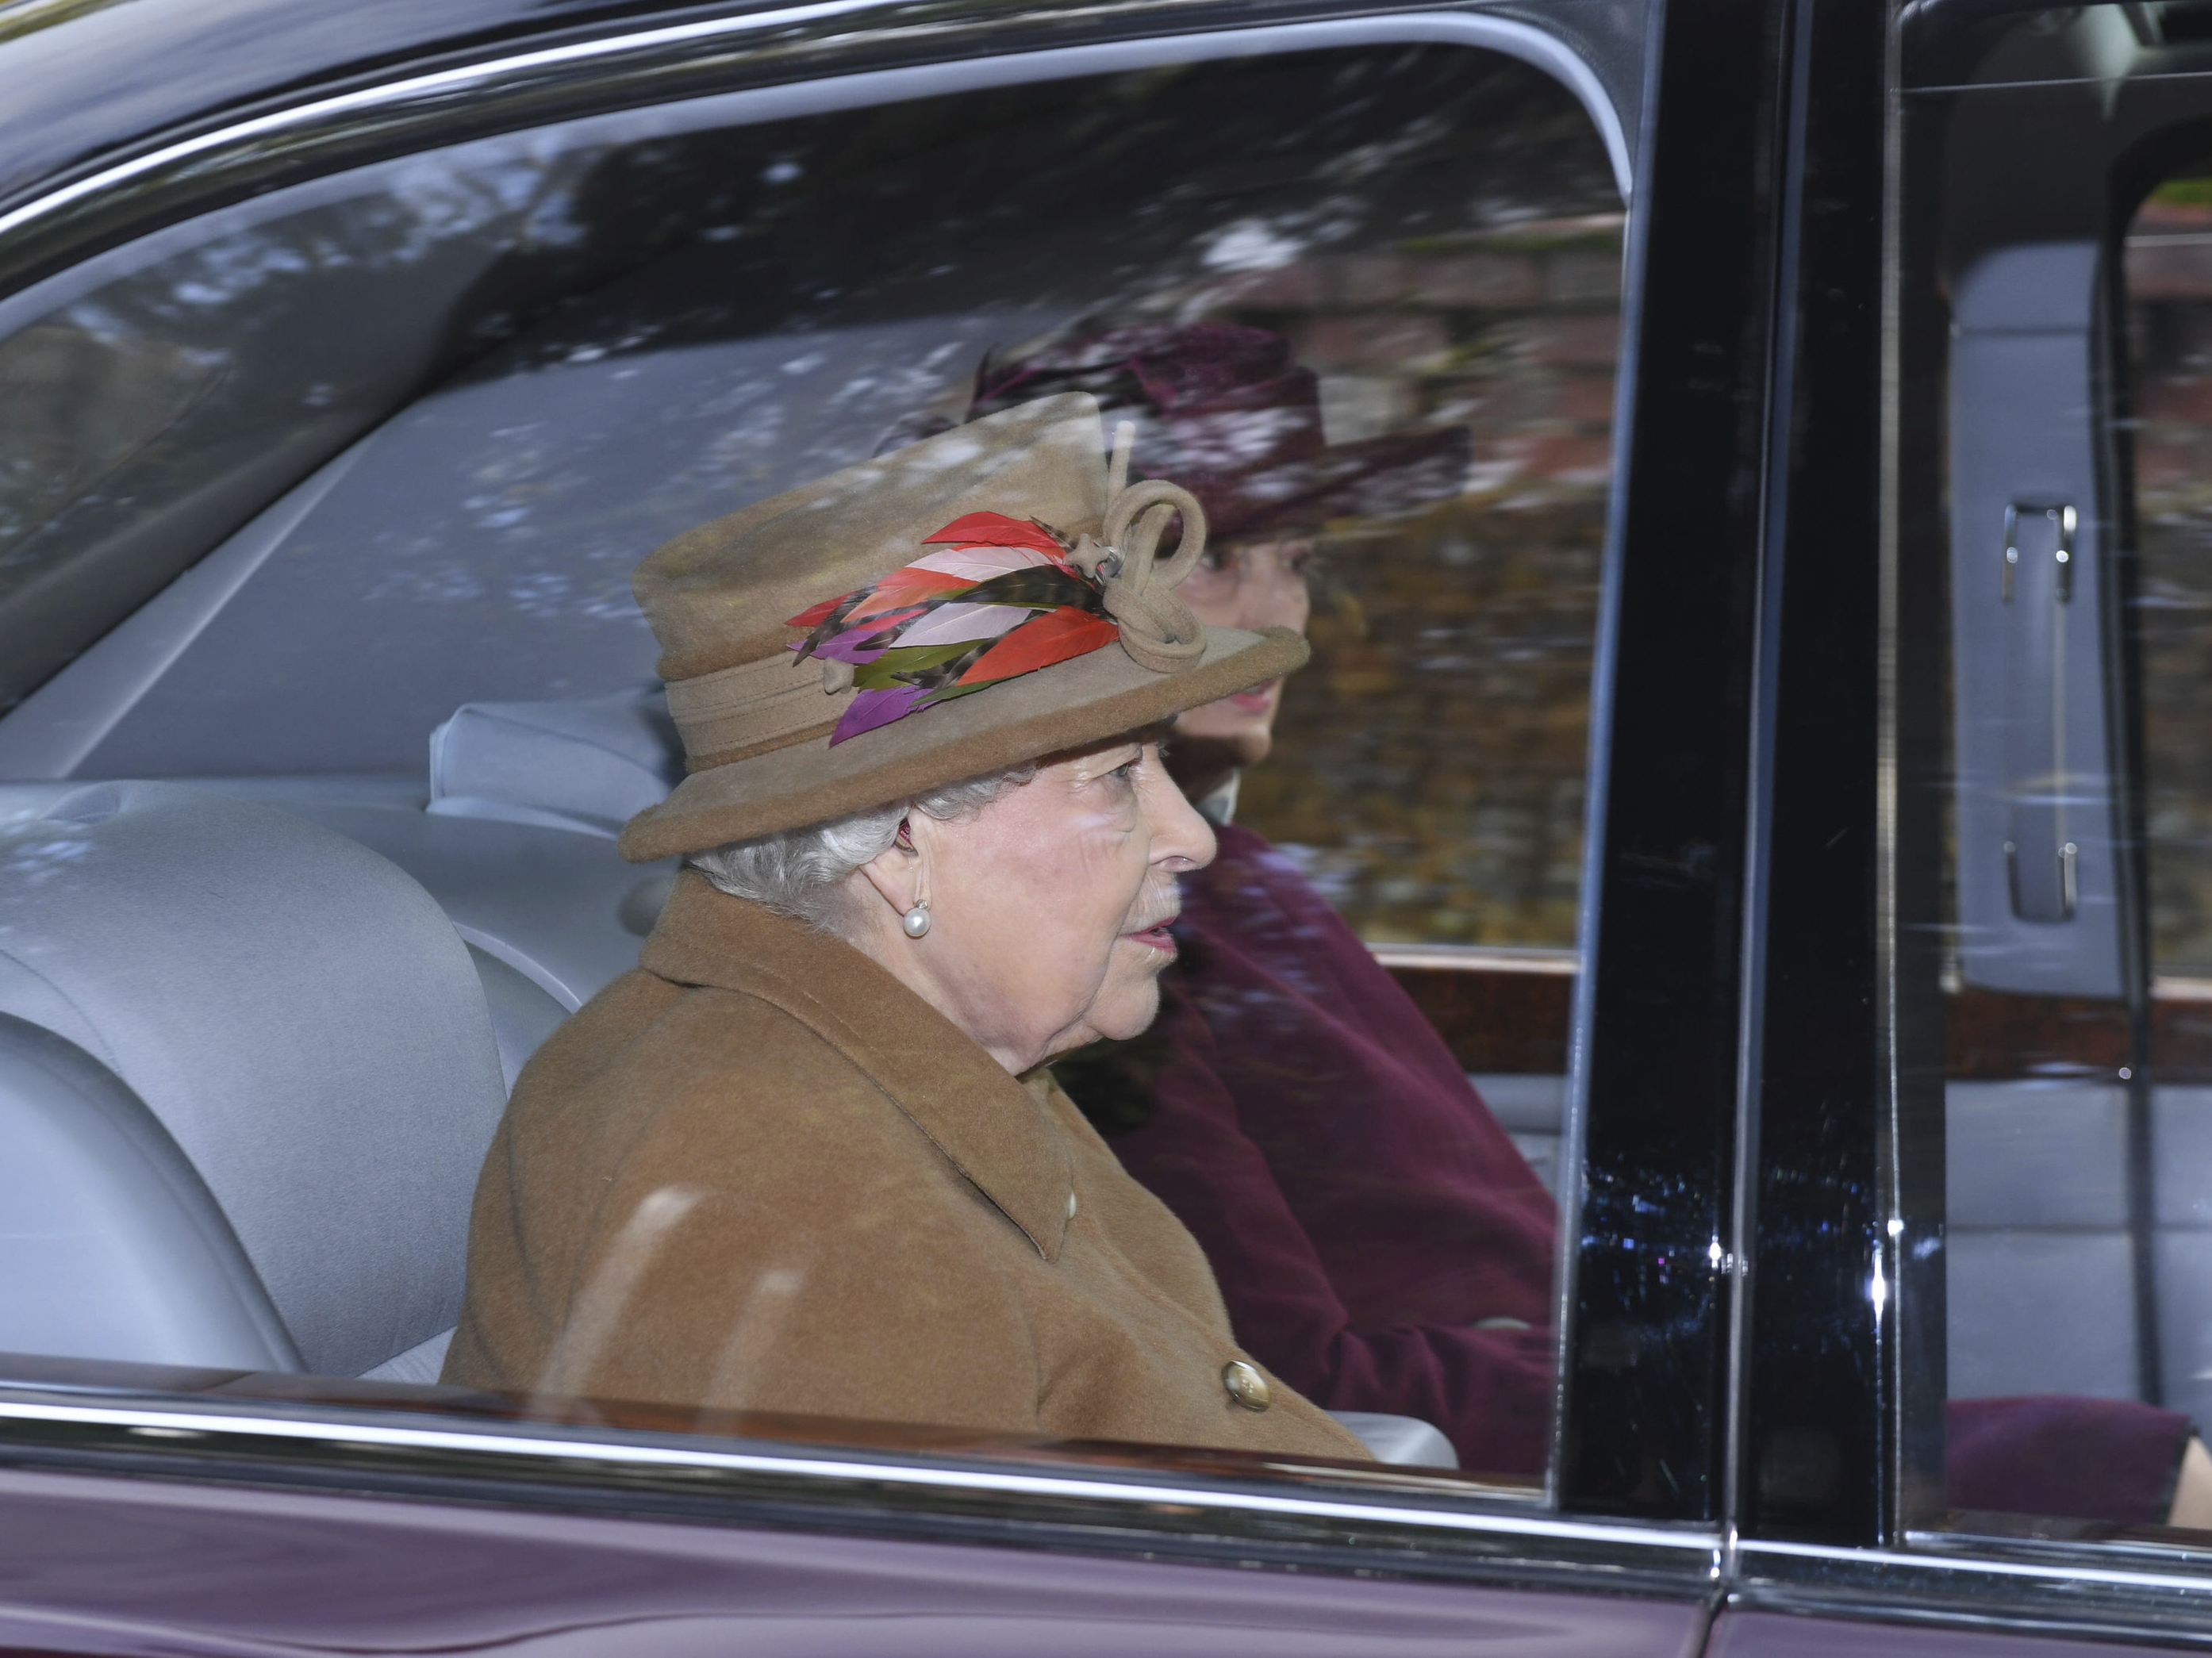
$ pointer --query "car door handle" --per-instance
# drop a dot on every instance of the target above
(2041, 853)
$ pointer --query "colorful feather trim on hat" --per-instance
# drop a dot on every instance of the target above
(1001, 601)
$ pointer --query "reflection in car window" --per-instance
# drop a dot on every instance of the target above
(1396, 315)
(152, 413)
(2168, 276)
(2053, 487)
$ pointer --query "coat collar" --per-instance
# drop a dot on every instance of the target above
(998, 1133)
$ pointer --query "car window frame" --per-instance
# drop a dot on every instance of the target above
(1668, 1548)
(1875, 1269)
(64, 221)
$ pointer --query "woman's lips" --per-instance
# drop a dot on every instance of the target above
(1157, 937)
(1258, 698)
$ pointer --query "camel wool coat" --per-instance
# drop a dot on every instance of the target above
(758, 1173)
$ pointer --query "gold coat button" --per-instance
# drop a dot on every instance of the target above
(1246, 1385)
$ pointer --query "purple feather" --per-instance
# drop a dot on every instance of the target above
(869, 709)
(857, 648)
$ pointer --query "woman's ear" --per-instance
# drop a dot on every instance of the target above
(895, 872)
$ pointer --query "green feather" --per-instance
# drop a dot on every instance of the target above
(898, 666)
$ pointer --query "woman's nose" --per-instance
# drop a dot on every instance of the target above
(1180, 837)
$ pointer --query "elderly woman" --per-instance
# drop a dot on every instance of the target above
(804, 1158)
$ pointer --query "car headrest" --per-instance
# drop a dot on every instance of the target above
(590, 766)
(297, 1013)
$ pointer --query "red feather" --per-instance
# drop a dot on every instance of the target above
(903, 590)
(996, 530)
(815, 614)
(1055, 636)
(903, 587)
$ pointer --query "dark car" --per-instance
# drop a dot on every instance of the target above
(1779, 769)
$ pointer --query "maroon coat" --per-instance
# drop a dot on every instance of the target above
(1366, 1216)
(1364, 1211)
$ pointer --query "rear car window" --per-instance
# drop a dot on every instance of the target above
(2051, 590)
(326, 509)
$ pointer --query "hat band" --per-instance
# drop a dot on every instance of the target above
(734, 713)
(756, 708)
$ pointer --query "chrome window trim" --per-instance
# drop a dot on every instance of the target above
(660, 59)
(383, 95)
(173, 1423)
(2085, 1591)
(1942, 1580)
(951, 1496)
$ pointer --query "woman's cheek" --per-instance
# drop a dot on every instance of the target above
(1101, 857)
(1061, 915)
(1112, 819)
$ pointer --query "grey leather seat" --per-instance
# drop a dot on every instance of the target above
(246, 1080)
(2041, 1293)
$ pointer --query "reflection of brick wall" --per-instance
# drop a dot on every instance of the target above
(2169, 276)
(2169, 287)
(1429, 765)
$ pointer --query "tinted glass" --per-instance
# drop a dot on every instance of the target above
(420, 639)
(2050, 584)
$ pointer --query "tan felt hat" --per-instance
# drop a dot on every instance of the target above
(756, 718)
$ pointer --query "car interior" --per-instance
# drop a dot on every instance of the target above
(307, 616)
(2043, 152)
(309, 842)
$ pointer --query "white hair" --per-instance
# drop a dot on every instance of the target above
(803, 871)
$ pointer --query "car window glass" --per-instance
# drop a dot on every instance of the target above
(410, 441)
(154, 412)
(2050, 599)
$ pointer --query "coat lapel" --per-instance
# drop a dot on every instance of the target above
(994, 1131)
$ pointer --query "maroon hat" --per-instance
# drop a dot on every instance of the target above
(1222, 410)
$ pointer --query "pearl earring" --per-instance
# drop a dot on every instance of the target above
(915, 921)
